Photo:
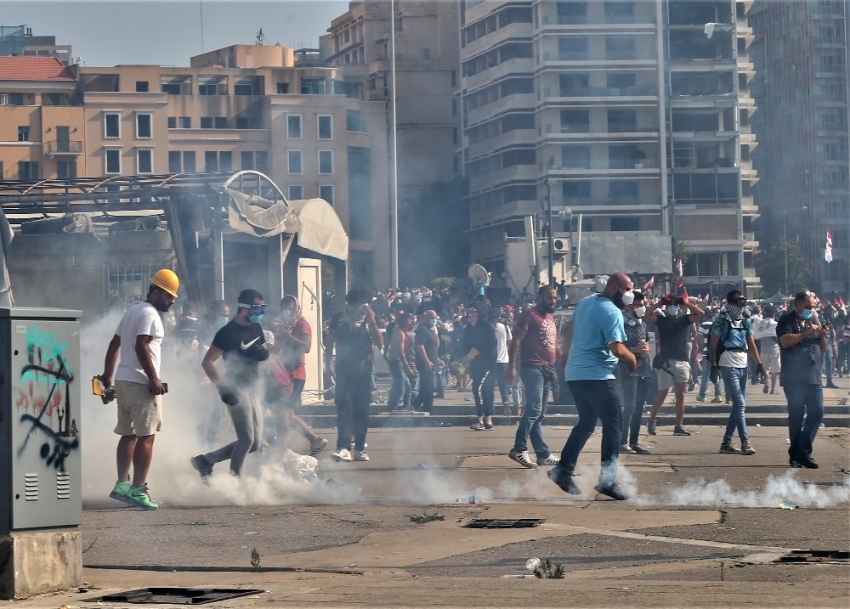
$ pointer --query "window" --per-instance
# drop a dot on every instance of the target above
(248, 86)
(294, 162)
(189, 161)
(326, 192)
(53, 99)
(575, 157)
(572, 82)
(325, 127)
(326, 162)
(144, 127)
(282, 88)
(619, 12)
(210, 161)
(622, 120)
(23, 134)
(111, 125)
(354, 122)
(16, 99)
(206, 122)
(175, 164)
(1, 170)
(247, 159)
(218, 161)
(28, 170)
(576, 189)
(261, 161)
(66, 170)
(572, 12)
(212, 86)
(144, 160)
(359, 194)
(172, 122)
(141, 86)
(293, 126)
(625, 223)
(623, 188)
(621, 80)
(225, 161)
(575, 121)
(112, 159)
(312, 86)
(572, 48)
(176, 85)
(296, 191)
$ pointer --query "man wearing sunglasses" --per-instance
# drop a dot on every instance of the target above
(242, 345)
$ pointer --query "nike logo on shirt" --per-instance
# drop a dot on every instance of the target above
(246, 346)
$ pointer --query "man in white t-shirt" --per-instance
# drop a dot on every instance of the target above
(503, 339)
(138, 387)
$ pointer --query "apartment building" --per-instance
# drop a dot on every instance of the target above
(427, 47)
(802, 91)
(266, 108)
(634, 114)
(41, 119)
(18, 41)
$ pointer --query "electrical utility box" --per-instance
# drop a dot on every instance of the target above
(40, 464)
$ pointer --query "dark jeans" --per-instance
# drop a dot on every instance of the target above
(400, 390)
(805, 413)
(601, 400)
(425, 399)
(483, 386)
(531, 424)
(635, 391)
(353, 396)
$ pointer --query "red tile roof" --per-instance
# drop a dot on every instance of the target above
(35, 69)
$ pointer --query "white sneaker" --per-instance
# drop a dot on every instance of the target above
(365, 446)
(342, 454)
(360, 456)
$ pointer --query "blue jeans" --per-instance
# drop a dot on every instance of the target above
(735, 380)
(531, 424)
(827, 365)
(804, 402)
(601, 400)
(400, 390)
(517, 392)
(504, 391)
(635, 390)
(706, 370)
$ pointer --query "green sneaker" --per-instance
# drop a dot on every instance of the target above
(119, 492)
(700, 398)
(138, 496)
(717, 400)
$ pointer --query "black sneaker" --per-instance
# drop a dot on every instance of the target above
(611, 490)
(204, 467)
(563, 480)
(766, 388)
(807, 462)
(489, 427)
(680, 431)
(477, 426)
(640, 449)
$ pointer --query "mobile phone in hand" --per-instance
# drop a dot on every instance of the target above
(164, 387)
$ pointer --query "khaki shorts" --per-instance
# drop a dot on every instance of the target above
(771, 364)
(139, 411)
(674, 371)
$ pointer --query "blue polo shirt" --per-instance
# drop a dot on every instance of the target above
(597, 323)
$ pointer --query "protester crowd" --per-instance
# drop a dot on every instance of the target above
(615, 353)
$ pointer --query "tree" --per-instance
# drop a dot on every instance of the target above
(433, 238)
(770, 264)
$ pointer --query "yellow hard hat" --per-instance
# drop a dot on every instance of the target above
(167, 280)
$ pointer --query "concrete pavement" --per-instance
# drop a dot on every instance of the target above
(701, 531)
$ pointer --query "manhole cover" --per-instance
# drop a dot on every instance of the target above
(492, 523)
(174, 596)
(809, 556)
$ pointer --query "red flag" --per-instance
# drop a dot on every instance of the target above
(681, 283)
(679, 267)
(840, 301)
(647, 287)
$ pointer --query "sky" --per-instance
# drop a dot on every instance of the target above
(169, 33)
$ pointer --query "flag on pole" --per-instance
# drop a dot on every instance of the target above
(679, 267)
(647, 287)
(680, 284)
(827, 255)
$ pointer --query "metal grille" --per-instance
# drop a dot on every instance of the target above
(491, 523)
(125, 285)
(63, 485)
(31, 487)
(174, 596)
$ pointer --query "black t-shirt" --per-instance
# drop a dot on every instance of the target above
(801, 364)
(427, 337)
(674, 334)
(353, 347)
(243, 351)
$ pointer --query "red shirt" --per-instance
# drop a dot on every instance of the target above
(289, 353)
(541, 336)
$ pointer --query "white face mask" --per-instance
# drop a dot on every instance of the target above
(628, 297)
(640, 311)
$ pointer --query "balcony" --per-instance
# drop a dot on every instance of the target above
(603, 92)
(64, 148)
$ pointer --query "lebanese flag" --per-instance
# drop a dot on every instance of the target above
(681, 283)
(647, 287)
(827, 254)
(679, 267)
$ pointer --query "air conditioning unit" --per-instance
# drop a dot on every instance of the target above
(561, 246)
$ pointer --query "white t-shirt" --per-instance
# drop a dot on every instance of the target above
(503, 339)
(141, 320)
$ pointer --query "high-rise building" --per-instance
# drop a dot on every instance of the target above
(633, 113)
(426, 49)
(802, 62)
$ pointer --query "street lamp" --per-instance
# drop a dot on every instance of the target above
(549, 237)
(785, 239)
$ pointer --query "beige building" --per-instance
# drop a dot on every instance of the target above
(427, 60)
(266, 108)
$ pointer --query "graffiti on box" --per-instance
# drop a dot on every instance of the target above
(45, 398)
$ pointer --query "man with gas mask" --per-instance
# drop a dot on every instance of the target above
(353, 332)
(242, 345)
(803, 341)
(592, 346)
(672, 363)
(636, 383)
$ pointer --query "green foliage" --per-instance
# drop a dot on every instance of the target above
(770, 265)
(438, 283)
(546, 570)
(255, 558)
(679, 249)
(433, 238)
(426, 517)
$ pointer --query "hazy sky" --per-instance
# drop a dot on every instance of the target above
(168, 33)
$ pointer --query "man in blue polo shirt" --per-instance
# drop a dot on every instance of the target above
(593, 343)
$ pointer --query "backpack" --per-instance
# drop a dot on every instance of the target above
(721, 343)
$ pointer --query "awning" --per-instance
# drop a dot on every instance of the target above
(321, 230)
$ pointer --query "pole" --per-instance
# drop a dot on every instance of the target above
(785, 248)
(549, 237)
(394, 153)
